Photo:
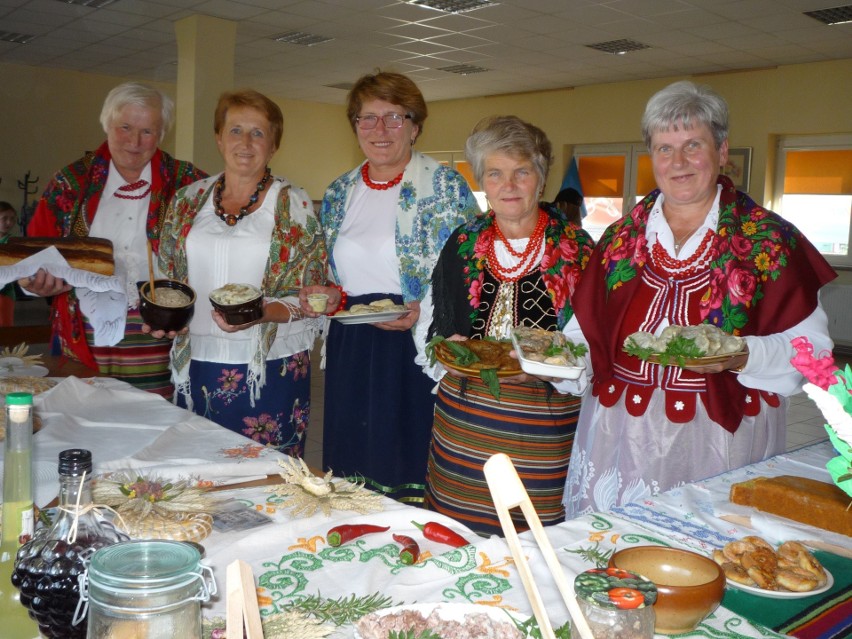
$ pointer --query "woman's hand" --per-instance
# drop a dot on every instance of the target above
(160, 334)
(405, 322)
(333, 300)
(44, 284)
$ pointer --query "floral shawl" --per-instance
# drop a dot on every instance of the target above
(764, 278)
(69, 205)
(460, 272)
(297, 257)
(433, 200)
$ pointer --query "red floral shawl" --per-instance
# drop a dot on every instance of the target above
(764, 278)
(67, 208)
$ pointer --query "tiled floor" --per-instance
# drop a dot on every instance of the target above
(804, 421)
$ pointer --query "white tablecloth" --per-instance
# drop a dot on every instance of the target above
(126, 428)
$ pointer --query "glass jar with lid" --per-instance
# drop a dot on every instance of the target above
(147, 589)
(618, 604)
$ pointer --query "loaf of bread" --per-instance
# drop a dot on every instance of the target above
(92, 254)
(808, 501)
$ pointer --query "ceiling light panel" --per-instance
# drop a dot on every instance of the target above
(17, 38)
(453, 6)
(301, 38)
(92, 4)
(463, 69)
(835, 15)
(618, 46)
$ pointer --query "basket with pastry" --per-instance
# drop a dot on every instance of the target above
(91, 254)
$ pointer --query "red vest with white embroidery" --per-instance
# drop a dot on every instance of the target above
(657, 298)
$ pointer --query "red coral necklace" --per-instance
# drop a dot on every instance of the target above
(376, 186)
(526, 257)
(683, 269)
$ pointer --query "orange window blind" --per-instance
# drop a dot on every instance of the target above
(645, 182)
(818, 172)
(603, 175)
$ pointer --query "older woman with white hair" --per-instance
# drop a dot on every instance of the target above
(119, 192)
(515, 265)
(694, 251)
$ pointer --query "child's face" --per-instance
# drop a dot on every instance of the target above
(7, 221)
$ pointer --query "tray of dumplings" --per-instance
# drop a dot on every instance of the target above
(698, 345)
(383, 310)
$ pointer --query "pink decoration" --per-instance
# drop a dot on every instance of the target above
(819, 371)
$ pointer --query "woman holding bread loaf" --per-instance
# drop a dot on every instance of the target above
(694, 252)
(119, 192)
(246, 227)
(385, 222)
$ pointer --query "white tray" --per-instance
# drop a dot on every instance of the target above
(532, 367)
(370, 318)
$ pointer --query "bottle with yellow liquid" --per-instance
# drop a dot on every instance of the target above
(17, 512)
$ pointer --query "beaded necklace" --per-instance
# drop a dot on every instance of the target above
(684, 269)
(228, 218)
(365, 173)
(123, 192)
(526, 258)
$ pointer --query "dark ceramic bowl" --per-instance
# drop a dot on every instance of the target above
(165, 318)
(689, 586)
(241, 313)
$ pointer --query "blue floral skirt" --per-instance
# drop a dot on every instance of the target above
(279, 418)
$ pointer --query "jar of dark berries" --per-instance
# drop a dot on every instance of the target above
(47, 567)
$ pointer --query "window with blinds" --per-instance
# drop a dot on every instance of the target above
(814, 191)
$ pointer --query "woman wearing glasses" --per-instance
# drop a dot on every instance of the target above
(385, 223)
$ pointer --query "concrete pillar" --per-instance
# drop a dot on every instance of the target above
(205, 69)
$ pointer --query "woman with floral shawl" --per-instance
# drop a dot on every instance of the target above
(694, 251)
(244, 226)
(516, 265)
(384, 224)
(118, 192)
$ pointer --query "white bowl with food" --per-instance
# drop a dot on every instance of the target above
(548, 353)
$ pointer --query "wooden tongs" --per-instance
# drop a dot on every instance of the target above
(508, 492)
(242, 609)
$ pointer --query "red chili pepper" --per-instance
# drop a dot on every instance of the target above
(626, 598)
(439, 532)
(341, 534)
(410, 552)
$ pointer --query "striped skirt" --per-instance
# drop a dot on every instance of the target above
(531, 423)
(138, 359)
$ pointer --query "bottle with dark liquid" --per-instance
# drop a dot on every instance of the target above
(47, 567)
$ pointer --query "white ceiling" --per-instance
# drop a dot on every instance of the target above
(526, 45)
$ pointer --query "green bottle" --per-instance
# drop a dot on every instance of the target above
(17, 512)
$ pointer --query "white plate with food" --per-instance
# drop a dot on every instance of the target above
(546, 353)
(443, 619)
(369, 318)
(784, 594)
(17, 367)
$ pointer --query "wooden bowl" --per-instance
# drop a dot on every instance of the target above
(689, 586)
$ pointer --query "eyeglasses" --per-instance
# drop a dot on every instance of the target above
(391, 120)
